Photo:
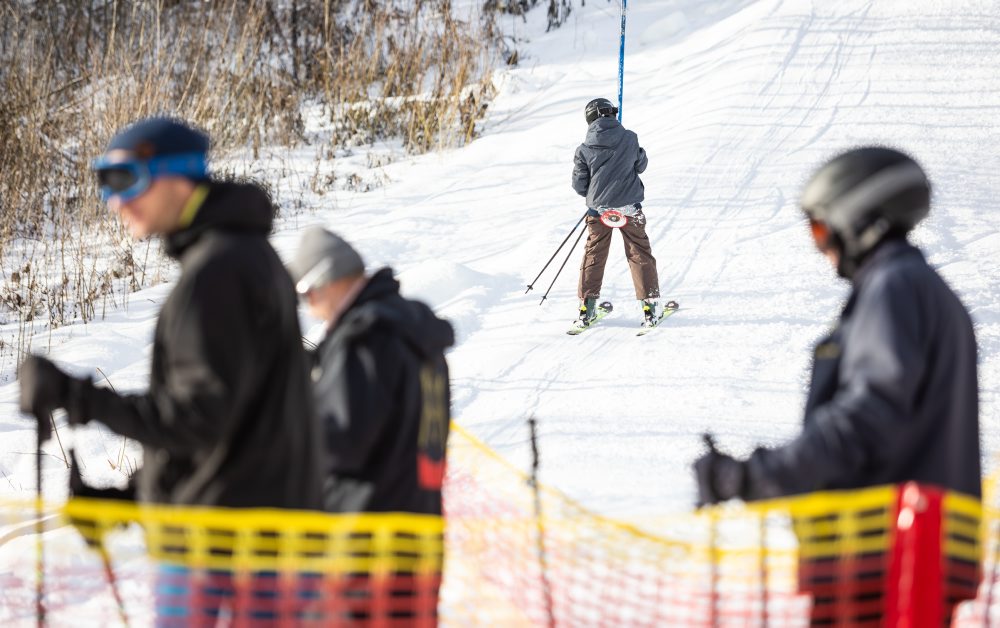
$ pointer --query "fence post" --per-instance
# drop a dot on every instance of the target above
(915, 589)
(762, 566)
(540, 526)
(715, 556)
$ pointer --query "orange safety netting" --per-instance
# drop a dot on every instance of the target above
(509, 555)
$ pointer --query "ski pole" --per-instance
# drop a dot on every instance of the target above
(77, 488)
(109, 573)
(546, 295)
(531, 286)
(39, 529)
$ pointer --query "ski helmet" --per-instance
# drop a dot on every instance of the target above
(599, 108)
(864, 195)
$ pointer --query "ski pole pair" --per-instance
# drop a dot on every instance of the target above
(531, 285)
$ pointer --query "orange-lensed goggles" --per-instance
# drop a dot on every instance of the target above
(820, 234)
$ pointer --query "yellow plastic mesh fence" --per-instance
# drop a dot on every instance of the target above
(509, 555)
(821, 559)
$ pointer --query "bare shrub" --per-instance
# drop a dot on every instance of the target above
(71, 73)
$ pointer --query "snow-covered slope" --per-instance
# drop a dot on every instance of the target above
(735, 110)
(736, 102)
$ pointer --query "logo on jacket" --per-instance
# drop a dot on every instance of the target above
(433, 435)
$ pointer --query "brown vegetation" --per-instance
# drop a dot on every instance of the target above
(73, 72)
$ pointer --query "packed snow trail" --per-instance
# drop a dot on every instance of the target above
(734, 115)
(736, 105)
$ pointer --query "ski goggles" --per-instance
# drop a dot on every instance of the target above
(127, 179)
(821, 234)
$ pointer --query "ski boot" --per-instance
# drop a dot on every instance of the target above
(650, 313)
(588, 310)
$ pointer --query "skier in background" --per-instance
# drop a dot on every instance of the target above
(894, 392)
(606, 169)
(228, 418)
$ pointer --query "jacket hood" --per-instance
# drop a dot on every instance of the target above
(604, 132)
(380, 305)
(234, 207)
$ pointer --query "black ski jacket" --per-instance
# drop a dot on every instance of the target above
(382, 390)
(228, 419)
(894, 393)
(606, 167)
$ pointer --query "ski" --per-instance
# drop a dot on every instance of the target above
(668, 310)
(602, 310)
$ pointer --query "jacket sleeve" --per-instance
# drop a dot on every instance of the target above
(642, 161)
(207, 368)
(869, 420)
(581, 173)
(354, 400)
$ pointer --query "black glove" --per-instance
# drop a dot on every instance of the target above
(44, 388)
(719, 476)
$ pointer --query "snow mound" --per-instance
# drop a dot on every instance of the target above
(665, 29)
(455, 291)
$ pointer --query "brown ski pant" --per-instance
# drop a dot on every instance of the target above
(638, 251)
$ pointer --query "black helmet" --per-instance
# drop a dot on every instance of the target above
(864, 195)
(599, 108)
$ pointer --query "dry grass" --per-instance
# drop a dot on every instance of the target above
(71, 73)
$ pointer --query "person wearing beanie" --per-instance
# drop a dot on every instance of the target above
(380, 380)
(382, 393)
(227, 359)
(228, 417)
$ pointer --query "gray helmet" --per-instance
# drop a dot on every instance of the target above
(863, 196)
(599, 108)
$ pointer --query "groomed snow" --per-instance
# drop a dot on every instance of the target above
(736, 103)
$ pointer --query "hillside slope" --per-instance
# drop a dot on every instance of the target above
(735, 105)
(735, 111)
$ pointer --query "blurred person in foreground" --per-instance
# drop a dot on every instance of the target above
(383, 397)
(894, 391)
(380, 381)
(228, 418)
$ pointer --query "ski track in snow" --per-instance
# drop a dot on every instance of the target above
(736, 105)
